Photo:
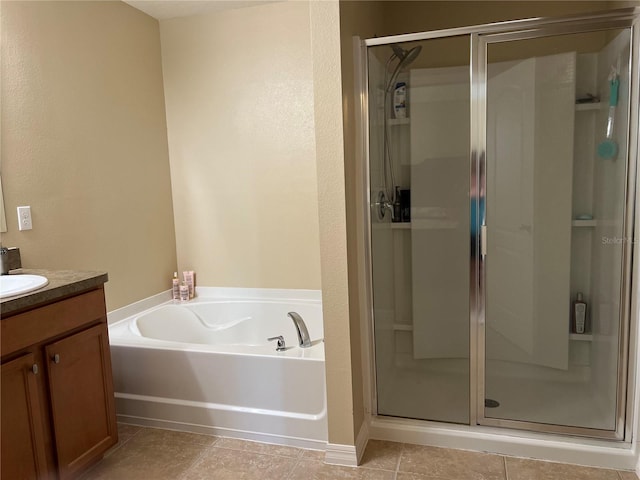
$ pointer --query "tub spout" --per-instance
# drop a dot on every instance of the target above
(301, 329)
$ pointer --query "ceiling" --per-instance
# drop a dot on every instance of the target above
(163, 9)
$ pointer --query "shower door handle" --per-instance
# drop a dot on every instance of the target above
(483, 240)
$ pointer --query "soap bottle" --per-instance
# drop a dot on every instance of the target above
(175, 289)
(189, 280)
(579, 314)
(400, 100)
(184, 292)
(396, 217)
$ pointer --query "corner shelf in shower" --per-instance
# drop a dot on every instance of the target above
(401, 226)
(402, 327)
(584, 223)
(407, 225)
(398, 121)
(586, 107)
(581, 337)
(429, 224)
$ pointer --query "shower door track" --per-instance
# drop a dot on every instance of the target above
(480, 37)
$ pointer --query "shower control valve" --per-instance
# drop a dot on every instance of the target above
(382, 205)
(280, 346)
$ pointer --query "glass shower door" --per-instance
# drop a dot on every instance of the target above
(420, 235)
(556, 195)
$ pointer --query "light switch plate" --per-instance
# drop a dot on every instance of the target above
(24, 218)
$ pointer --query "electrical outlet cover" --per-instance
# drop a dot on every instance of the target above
(24, 218)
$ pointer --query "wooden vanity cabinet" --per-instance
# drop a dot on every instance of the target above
(23, 446)
(58, 410)
(81, 393)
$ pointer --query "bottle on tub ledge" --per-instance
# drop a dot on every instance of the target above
(184, 292)
(189, 277)
(579, 315)
(175, 288)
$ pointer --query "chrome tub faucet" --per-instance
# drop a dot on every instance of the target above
(301, 329)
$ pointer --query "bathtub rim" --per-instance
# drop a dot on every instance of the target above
(119, 319)
(118, 315)
(154, 344)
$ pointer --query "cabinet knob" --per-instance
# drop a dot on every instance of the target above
(34, 368)
(56, 358)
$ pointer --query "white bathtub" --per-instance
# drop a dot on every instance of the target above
(206, 366)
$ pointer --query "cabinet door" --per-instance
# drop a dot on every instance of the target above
(23, 448)
(82, 404)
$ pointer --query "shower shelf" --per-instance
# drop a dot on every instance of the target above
(401, 226)
(402, 327)
(398, 121)
(584, 107)
(581, 337)
(574, 223)
(584, 223)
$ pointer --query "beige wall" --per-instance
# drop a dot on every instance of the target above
(342, 369)
(84, 143)
(239, 93)
(409, 16)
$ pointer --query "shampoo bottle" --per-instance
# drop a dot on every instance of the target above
(189, 280)
(400, 100)
(579, 313)
(175, 289)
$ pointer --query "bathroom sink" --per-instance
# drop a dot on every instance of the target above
(17, 284)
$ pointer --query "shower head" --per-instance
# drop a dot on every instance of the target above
(398, 51)
(405, 58)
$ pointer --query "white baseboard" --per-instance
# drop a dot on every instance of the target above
(344, 455)
(349, 455)
(362, 439)
(223, 432)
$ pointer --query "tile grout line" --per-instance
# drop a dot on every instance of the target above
(262, 453)
(289, 475)
(506, 472)
(297, 459)
(402, 444)
(197, 459)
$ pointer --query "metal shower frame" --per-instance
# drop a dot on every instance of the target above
(481, 36)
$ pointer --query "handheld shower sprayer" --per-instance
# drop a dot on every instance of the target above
(387, 197)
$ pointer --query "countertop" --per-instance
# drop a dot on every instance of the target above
(62, 283)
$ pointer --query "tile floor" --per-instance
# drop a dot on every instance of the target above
(152, 454)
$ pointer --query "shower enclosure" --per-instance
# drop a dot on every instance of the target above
(501, 206)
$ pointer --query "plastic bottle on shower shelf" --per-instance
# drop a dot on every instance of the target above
(579, 313)
(400, 100)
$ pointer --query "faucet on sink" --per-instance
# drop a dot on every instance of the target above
(301, 329)
(9, 259)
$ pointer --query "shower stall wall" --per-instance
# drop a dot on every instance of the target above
(501, 206)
